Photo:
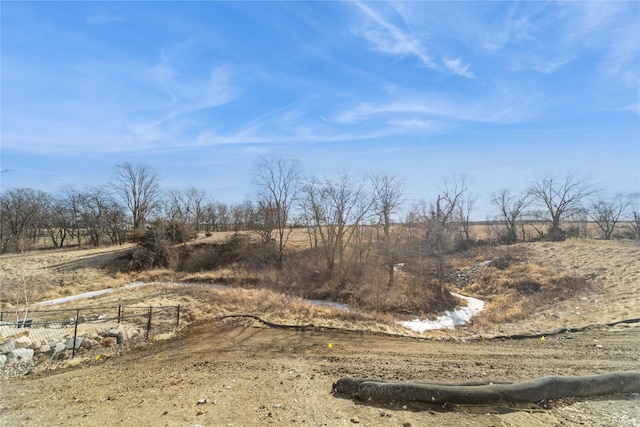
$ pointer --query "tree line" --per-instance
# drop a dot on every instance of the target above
(333, 210)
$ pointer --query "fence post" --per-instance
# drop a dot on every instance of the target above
(119, 312)
(149, 323)
(75, 334)
(178, 317)
(1, 313)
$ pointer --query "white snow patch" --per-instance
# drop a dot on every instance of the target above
(450, 318)
(91, 294)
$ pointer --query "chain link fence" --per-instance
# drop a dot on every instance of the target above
(31, 337)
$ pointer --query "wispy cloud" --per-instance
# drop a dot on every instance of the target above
(433, 109)
(111, 106)
(616, 35)
(551, 65)
(457, 67)
(103, 16)
(140, 99)
(548, 37)
(185, 95)
(399, 40)
(390, 38)
(411, 123)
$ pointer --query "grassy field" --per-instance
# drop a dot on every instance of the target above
(575, 282)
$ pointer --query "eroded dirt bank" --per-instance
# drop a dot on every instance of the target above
(253, 375)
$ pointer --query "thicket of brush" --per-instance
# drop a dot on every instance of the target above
(361, 279)
(512, 286)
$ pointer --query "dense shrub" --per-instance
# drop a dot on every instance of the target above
(154, 251)
(211, 256)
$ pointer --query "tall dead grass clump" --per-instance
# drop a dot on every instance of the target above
(157, 275)
(204, 302)
(517, 291)
(214, 255)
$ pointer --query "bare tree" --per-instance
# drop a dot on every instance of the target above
(562, 197)
(451, 193)
(214, 216)
(634, 225)
(238, 216)
(185, 211)
(260, 218)
(58, 221)
(21, 211)
(511, 208)
(21, 292)
(607, 213)
(387, 198)
(72, 200)
(97, 204)
(223, 213)
(197, 201)
(632, 230)
(464, 209)
(186, 206)
(443, 211)
(437, 220)
(116, 222)
(338, 208)
(278, 181)
(311, 213)
(537, 220)
(137, 186)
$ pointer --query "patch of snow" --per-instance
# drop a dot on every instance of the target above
(449, 319)
(485, 264)
(323, 303)
(91, 294)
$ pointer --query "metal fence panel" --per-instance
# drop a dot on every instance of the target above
(60, 334)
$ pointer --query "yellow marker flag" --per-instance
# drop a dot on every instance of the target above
(330, 345)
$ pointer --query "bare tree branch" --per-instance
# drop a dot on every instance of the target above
(137, 186)
(562, 197)
(511, 209)
(278, 181)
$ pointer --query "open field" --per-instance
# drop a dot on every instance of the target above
(254, 375)
(57, 273)
(611, 267)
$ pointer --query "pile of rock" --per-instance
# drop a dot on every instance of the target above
(23, 353)
(462, 278)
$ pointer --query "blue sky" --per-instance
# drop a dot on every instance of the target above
(501, 92)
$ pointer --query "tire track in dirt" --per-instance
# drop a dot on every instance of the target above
(254, 375)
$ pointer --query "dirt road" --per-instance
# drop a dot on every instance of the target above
(252, 375)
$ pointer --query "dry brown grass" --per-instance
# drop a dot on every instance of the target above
(56, 273)
(581, 282)
(537, 286)
(517, 291)
(202, 303)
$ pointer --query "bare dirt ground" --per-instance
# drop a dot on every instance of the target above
(252, 375)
